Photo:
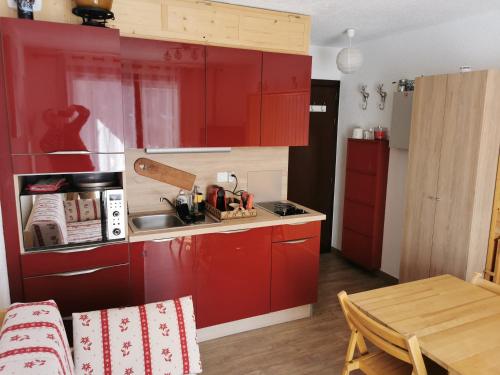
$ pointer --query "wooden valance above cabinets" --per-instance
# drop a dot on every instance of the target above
(194, 21)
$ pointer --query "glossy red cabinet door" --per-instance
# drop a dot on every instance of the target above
(286, 91)
(163, 93)
(63, 85)
(162, 269)
(295, 266)
(296, 231)
(233, 276)
(85, 290)
(48, 262)
(69, 163)
(233, 97)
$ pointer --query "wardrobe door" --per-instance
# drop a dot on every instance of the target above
(423, 169)
(458, 166)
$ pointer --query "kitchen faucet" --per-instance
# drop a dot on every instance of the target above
(165, 199)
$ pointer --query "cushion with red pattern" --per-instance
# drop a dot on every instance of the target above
(82, 210)
(33, 340)
(158, 338)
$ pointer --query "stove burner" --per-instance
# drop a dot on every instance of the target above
(282, 208)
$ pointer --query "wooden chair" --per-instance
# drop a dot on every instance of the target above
(478, 280)
(399, 355)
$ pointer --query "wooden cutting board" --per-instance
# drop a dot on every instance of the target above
(164, 173)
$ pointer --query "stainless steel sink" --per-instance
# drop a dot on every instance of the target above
(158, 221)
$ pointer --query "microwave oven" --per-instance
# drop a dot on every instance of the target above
(73, 218)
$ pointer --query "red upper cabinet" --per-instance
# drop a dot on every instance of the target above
(233, 97)
(162, 269)
(233, 275)
(163, 93)
(286, 91)
(63, 87)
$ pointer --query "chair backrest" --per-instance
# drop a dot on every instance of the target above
(393, 343)
(478, 280)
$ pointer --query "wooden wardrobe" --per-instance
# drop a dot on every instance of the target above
(453, 156)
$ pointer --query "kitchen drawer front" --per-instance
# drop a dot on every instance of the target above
(294, 280)
(361, 188)
(88, 290)
(359, 217)
(290, 232)
(359, 249)
(46, 263)
(362, 156)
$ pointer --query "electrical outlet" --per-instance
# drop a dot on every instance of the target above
(231, 178)
(222, 176)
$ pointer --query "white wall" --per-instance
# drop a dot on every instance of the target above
(444, 48)
(324, 64)
(4, 283)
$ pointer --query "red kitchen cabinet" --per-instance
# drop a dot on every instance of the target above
(63, 87)
(162, 269)
(233, 275)
(364, 201)
(163, 93)
(85, 290)
(69, 163)
(49, 262)
(296, 231)
(295, 266)
(233, 97)
(286, 91)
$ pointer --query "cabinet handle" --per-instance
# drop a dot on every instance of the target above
(85, 272)
(69, 152)
(298, 223)
(164, 239)
(235, 231)
(74, 250)
(297, 241)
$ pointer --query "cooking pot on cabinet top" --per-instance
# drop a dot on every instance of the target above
(102, 4)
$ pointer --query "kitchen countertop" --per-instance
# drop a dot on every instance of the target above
(263, 219)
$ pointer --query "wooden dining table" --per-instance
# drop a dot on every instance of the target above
(457, 323)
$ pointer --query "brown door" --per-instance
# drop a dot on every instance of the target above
(311, 169)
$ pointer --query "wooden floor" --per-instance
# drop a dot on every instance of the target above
(308, 346)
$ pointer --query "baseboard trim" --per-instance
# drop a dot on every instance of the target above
(387, 277)
(248, 324)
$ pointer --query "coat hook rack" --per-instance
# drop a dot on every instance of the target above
(383, 96)
(365, 95)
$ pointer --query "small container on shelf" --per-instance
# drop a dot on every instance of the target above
(380, 133)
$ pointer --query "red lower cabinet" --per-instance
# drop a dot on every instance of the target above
(162, 269)
(295, 267)
(85, 290)
(233, 275)
(50, 262)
